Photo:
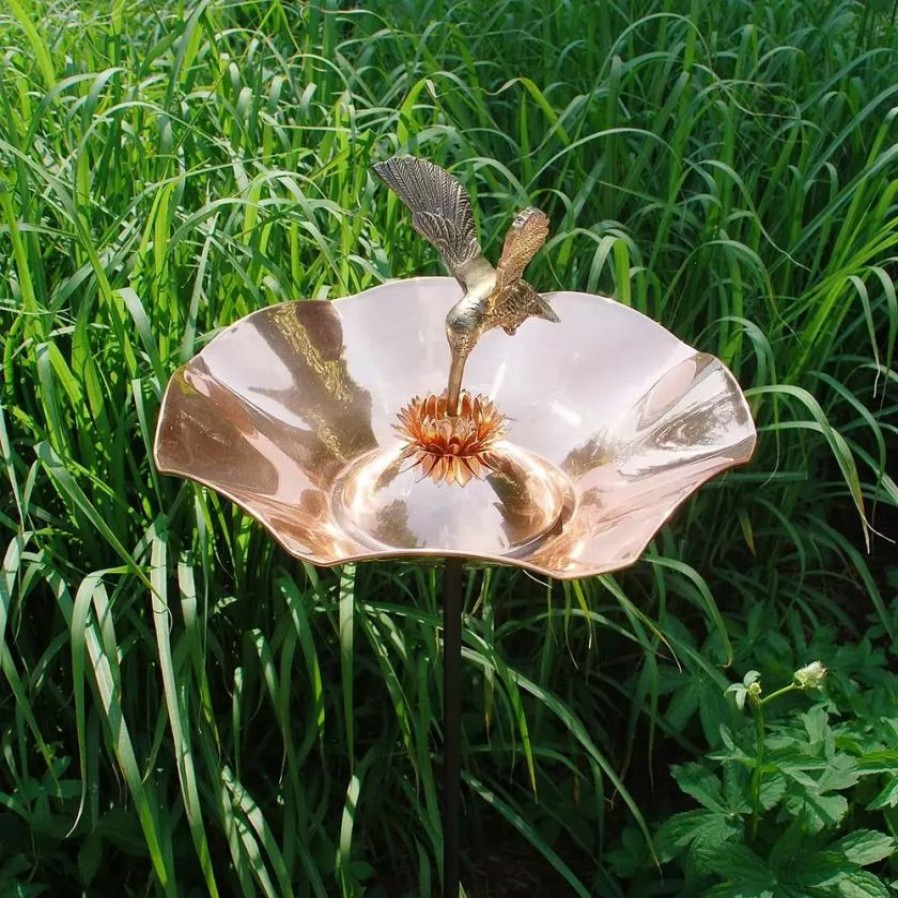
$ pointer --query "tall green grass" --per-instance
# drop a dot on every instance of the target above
(188, 711)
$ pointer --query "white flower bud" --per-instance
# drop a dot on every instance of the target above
(811, 676)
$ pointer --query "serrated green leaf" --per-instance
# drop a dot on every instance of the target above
(816, 723)
(737, 788)
(773, 788)
(863, 884)
(699, 782)
(817, 810)
(740, 866)
(879, 762)
(887, 798)
(744, 890)
(865, 846)
(841, 773)
(695, 828)
(818, 870)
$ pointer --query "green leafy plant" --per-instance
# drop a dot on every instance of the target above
(783, 807)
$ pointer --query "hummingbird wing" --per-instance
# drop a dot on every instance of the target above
(441, 213)
(514, 301)
(523, 241)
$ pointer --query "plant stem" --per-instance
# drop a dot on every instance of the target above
(759, 761)
(779, 692)
(758, 704)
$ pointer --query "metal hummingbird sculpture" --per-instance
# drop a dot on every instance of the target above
(494, 297)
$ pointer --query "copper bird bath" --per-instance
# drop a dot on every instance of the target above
(561, 451)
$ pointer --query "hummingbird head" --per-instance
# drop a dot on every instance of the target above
(463, 325)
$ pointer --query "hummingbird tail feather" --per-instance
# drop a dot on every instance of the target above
(547, 312)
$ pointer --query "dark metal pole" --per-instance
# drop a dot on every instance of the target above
(452, 616)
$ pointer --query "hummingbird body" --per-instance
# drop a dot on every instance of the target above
(494, 297)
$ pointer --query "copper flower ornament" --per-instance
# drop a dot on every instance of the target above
(451, 448)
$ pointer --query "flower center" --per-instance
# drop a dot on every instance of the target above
(451, 448)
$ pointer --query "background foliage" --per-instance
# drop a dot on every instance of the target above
(187, 711)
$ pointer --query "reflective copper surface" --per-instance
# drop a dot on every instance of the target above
(611, 424)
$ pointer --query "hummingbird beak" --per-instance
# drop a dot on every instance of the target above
(462, 331)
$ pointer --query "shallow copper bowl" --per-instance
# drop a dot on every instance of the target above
(612, 423)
